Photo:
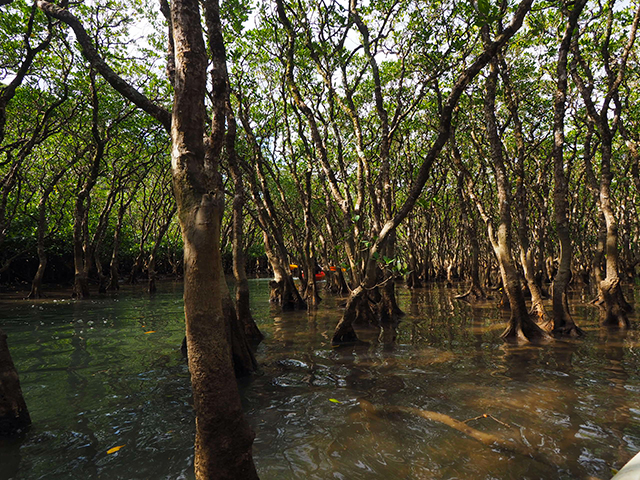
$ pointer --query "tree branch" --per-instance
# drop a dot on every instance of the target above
(93, 57)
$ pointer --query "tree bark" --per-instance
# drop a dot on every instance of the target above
(521, 327)
(223, 437)
(563, 323)
(14, 415)
(616, 308)
(243, 304)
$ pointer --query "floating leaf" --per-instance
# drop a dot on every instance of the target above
(150, 331)
(334, 400)
(114, 449)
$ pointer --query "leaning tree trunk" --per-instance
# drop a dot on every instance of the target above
(14, 416)
(344, 329)
(526, 254)
(616, 308)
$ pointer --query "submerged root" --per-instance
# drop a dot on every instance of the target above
(508, 444)
(522, 332)
(474, 294)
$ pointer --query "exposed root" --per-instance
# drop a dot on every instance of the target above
(525, 332)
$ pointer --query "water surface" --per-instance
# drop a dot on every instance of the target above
(107, 372)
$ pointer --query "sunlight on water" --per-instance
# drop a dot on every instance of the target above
(107, 373)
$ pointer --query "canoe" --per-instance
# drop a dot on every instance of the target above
(631, 471)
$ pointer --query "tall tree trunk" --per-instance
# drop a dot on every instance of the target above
(521, 326)
(114, 264)
(563, 323)
(311, 295)
(344, 327)
(526, 252)
(80, 280)
(36, 284)
(469, 222)
(223, 437)
(243, 303)
(616, 308)
(14, 415)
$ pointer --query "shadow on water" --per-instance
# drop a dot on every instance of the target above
(108, 372)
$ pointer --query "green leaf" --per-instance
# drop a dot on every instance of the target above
(484, 7)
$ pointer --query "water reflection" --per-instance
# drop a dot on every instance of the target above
(92, 387)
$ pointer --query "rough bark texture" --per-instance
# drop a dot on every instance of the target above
(563, 323)
(243, 310)
(616, 308)
(14, 416)
(521, 327)
(223, 437)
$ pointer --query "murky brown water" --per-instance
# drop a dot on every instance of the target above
(94, 378)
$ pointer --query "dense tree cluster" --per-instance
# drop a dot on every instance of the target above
(490, 142)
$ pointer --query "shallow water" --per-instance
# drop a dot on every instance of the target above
(107, 372)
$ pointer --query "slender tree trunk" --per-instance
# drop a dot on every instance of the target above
(151, 267)
(311, 295)
(102, 278)
(526, 254)
(563, 323)
(114, 264)
(344, 327)
(81, 280)
(616, 308)
(521, 326)
(36, 284)
(475, 291)
(243, 303)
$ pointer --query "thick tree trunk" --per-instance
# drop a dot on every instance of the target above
(14, 416)
(223, 437)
